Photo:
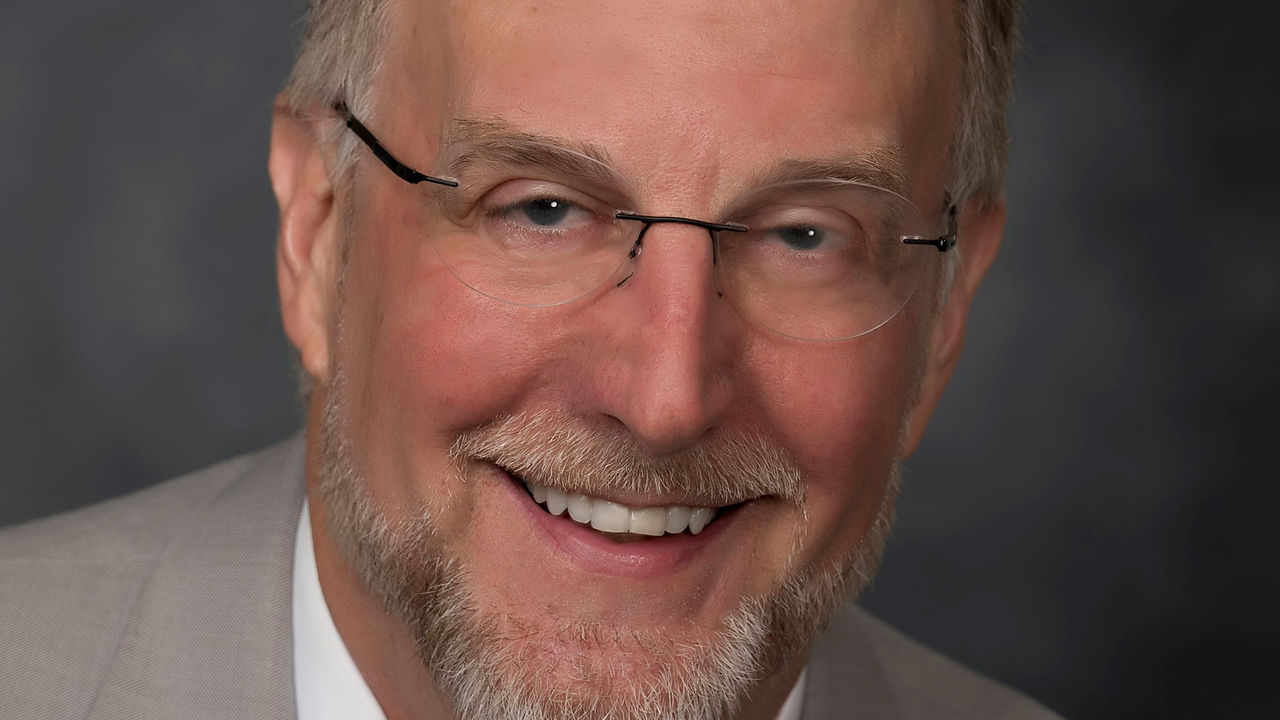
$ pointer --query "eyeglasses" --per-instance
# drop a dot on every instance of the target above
(822, 259)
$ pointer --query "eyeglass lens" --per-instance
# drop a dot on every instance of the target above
(816, 260)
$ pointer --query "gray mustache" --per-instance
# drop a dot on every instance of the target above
(559, 451)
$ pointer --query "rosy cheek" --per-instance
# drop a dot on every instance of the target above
(439, 358)
(840, 409)
(448, 358)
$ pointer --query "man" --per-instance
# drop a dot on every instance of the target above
(617, 320)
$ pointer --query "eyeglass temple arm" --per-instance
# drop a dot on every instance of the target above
(406, 173)
(944, 243)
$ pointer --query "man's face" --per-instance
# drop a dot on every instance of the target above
(660, 377)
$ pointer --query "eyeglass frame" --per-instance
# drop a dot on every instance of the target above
(942, 243)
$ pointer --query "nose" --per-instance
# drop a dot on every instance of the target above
(667, 378)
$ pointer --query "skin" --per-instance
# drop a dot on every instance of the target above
(690, 103)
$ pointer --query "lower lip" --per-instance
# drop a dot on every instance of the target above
(595, 552)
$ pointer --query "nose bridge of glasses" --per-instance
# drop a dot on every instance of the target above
(653, 219)
(648, 221)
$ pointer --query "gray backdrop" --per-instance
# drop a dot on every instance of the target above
(1090, 516)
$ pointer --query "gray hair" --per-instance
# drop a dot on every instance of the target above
(339, 57)
(980, 148)
(337, 61)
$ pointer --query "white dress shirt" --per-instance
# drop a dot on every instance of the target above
(325, 679)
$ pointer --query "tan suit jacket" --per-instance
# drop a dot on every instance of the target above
(175, 603)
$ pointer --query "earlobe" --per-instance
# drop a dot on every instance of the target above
(981, 232)
(305, 251)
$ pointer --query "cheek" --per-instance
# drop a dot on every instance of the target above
(445, 358)
(841, 409)
(424, 356)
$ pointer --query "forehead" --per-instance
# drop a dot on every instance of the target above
(682, 91)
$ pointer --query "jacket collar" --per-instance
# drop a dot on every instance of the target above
(847, 678)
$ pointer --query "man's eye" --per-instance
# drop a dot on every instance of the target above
(801, 229)
(546, 212)
(807, 237)
(802, 237)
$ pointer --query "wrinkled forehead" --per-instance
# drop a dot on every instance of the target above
(682, 90)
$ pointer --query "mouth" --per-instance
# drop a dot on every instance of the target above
(623, 522)
(616, 518)
(627, 535)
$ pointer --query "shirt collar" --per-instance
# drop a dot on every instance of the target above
(326, 681)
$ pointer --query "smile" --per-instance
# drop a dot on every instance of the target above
(611, 517)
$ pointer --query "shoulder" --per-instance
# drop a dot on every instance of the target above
(129, 528)
(862, 663)
(72, 582)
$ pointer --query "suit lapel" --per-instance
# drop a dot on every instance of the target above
(210, 635)
(846, 680)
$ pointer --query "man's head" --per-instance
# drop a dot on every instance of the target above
(450, 409)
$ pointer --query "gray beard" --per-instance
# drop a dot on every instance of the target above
(492, 665)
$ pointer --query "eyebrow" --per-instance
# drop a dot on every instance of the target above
(497, 141)
(881, 166)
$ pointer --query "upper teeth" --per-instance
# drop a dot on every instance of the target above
(612, 517)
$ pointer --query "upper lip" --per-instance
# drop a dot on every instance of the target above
(631, 499)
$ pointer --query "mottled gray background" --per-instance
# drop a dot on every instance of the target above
(1090, 518)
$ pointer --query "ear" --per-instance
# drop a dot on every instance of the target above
(981, 228)
(306, 250)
